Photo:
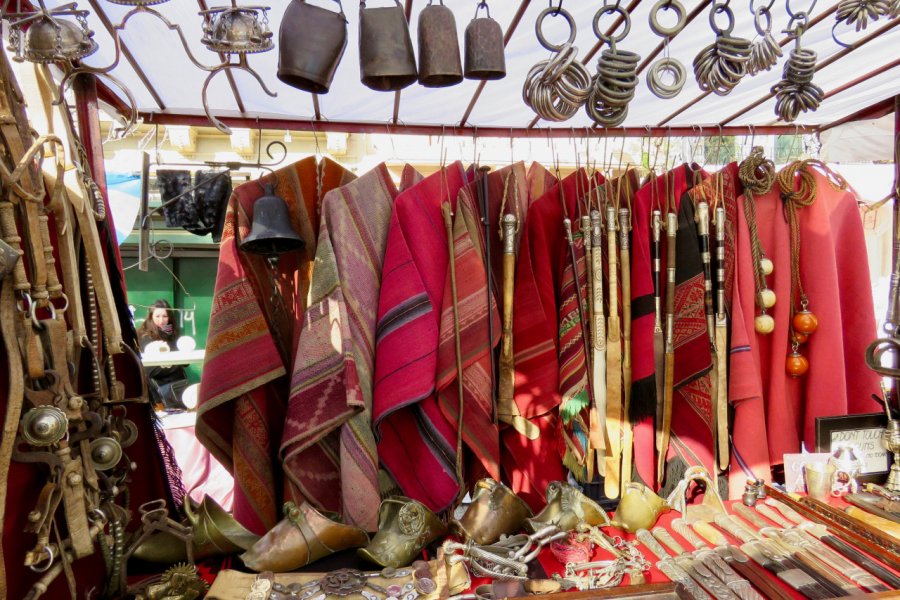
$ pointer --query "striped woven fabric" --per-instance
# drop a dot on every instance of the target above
(572, 360)
(328, 449)
(532, 464)
(416, 443)
(252, 337)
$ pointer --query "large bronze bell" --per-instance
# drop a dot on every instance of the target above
(311, 42)
(271, 233)
(495, 510)
(485, 55)
(386, 58)
(439, 63)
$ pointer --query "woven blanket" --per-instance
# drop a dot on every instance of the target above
(416, 442)
(252, 336)
(327, 448)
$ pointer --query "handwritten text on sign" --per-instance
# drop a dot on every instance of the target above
(869, 442)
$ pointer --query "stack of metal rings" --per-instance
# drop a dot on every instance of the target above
(894, 10)
(765, 52)
(669, 65)
(720, 66)
(614, 84)
(557, 87)
(796, 92)
(856, 13)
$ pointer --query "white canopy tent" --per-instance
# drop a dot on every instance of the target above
(167, 86)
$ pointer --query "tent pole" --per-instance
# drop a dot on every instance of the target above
(87, 109)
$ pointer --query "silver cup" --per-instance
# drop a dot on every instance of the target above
(818, 477)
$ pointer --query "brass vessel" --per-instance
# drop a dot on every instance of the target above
(495, 510)
(566, 508)
(405, 527)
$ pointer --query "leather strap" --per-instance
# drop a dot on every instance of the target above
(722, 441)
(627, 434)
(664, 429)
(14, 397)
(613, 364)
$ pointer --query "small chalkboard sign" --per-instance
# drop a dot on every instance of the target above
(866, 432)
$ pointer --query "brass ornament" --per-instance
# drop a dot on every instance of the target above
(566, 508)
(106, 453)
(495, 510)
(51, 38)
(44, 426)
(304, 536)
(237, 29)
(405, 527)
(639, 508)
(180, 582)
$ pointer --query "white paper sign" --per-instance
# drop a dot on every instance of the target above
(871, 447)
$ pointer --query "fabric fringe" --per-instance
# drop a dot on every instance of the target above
(570, 407)
(572, 462)
(643, 399)
(675, 470)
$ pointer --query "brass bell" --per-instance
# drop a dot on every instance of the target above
(439, 62)
(485, 54)
(271, 233)
(44, 426)
(105, 453)
(386, 58)
(51, 39)
(566, 508)
(495, 510)
(236, 30)
(308, 61)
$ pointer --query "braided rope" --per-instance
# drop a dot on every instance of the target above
(757, 174)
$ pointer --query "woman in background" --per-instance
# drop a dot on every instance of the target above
(166, 382)
(159, 325)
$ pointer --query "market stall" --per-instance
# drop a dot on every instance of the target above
(406, 371)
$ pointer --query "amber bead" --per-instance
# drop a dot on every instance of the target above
(800, 338)
(764, 324)
(796, 364)
(805, 322)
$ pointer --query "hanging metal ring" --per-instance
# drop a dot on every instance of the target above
(538, 27)
(654, 78)
(611, 9)
(721, 9)
(680, 22)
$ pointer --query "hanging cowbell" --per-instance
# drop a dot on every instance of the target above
(311, 42)
(271, 233)
(386, 59)
(439, 62)
(485, 56)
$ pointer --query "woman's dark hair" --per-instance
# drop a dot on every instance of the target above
(149, 329)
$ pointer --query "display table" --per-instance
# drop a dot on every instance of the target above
(173, 357)
(655, 584)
